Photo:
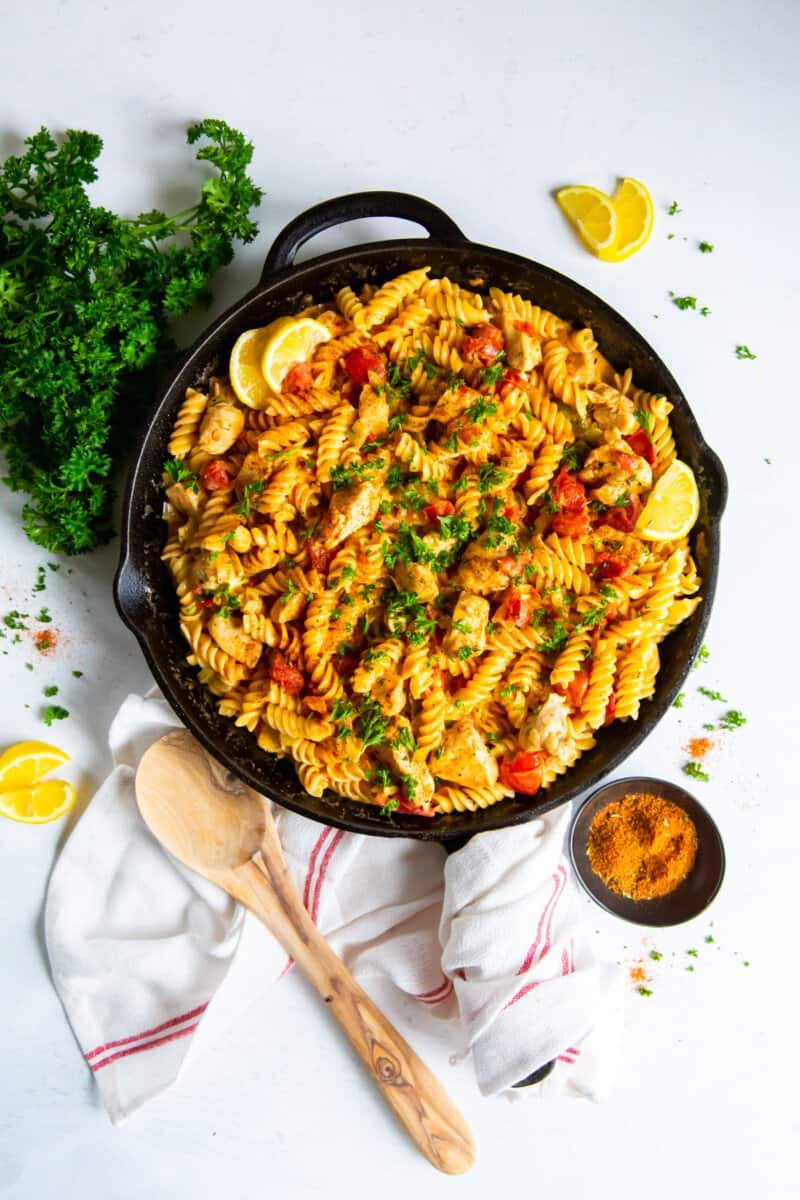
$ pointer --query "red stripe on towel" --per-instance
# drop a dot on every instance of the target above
(169, 1037)
(533, 955)
(196, 1012)
(307, 884)
(523, 991)
(321, 873)
(436, 995)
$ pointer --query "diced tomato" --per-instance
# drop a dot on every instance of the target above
(572, 524)
(625, 462)
(403, 806)
(577, 687)
(284, 674)
(568, 492)
(625, 516)
(360, 362)
(439, 508)
(510, 379)
(510, 512)
(320, 557)
(523, 772)
(640, 444)
(298, 378)
(483, 343)
(517, 606)
(525, 327)
(610, 566)
(611, 708)
(317, 704)
(215, 476)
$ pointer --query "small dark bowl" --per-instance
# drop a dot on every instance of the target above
(689, 898)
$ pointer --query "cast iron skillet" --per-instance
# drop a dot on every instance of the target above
(143, 590)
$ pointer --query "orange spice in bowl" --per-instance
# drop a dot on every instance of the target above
(642, 846)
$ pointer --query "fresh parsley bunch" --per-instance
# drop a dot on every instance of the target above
(85, 300)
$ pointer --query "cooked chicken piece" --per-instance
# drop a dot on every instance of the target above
(453, 402)
(183, 500)
(350, 509)
(399, 758)
(227, 632)
(523, 351)
(416, 577)
(549, 728)
(616, 469)
(464, 757)
(468, 628)
(220, 427)
(211, 571)
(390, 693)
(610, 409)
(479, 572)
(373, 417)
(254, 467)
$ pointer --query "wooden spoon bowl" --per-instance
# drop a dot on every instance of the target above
(223, 830)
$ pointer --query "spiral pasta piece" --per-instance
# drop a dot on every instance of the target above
(185, 428)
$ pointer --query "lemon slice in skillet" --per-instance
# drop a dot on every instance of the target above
(289, 340)
(672, 507)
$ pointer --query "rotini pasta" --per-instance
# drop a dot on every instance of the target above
(417, 572)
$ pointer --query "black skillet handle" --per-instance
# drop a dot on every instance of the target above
(356, 207)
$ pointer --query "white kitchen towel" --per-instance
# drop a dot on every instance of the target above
(151, 961)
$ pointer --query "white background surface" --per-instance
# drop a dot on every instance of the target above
(484, 109)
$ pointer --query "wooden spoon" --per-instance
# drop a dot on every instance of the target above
(222, 829)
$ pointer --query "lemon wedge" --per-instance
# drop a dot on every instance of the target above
(289, 340)
(36, 805)
(633, 205)
(611, 227)
(25, 762)
(247, 378)
(672, 507)
(592, 214)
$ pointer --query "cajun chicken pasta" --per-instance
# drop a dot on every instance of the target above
(427, 542)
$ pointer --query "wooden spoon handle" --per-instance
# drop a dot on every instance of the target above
(418, 1099)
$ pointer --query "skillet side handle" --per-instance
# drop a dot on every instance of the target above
(356, 207)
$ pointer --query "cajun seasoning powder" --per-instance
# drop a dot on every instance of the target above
(642, 846)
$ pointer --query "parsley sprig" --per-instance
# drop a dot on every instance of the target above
(85, 298)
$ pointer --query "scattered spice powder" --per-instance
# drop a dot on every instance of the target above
(642, 846)
(698, 748)
(638, 975)
(45, 640)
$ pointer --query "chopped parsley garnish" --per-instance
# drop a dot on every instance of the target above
(703, 655)
(50, 690)
(745, 352)
(733, 720)
(693, 953)
(254, 487)
(405, 739)
(490, 476)
(656, 955)
(494, 372)
(643, 991)
(705, 248)
(679, 699)
(696, 771)
(389, 807)
(40, 584)
(78, 674)
(177, 472)
(396, 421)
(382, 778)
(708, 939)
(410, 785)
(557, 640)
(453, 380)
(342, 477)
(645, 420)
(14, 620)
(454, 526)
(673, 209)
(711, 694)
(684, 302)
(54, 712)
(465, 652)
(406, 614)
(371, 724)
(394, 477)
(479, 410)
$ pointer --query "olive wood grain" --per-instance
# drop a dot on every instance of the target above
(223, 830)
